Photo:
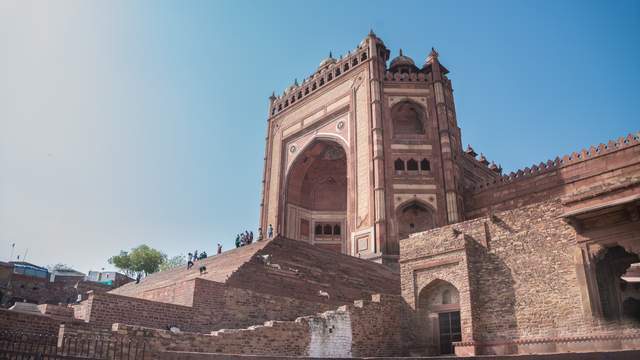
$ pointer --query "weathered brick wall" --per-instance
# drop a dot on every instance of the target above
(521, 274)
(377, 326)
(41, 291)
(215, 306)
(365, 328)
(29, 323)
(180, 293)
(105, 309)
(219, 306)
(58, 312)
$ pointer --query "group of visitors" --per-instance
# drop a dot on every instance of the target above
(246, 237)
(193, 257)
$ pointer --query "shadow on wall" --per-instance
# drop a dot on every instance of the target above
(492, 294)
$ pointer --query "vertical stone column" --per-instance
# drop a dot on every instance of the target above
(445, 134)
(376, 67)
(265, 172)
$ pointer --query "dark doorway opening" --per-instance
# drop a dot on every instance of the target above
(449, 330)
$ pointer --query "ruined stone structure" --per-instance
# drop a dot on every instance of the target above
(364, 165)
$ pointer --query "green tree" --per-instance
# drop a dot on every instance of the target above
(140, 260)
(173, 262)
(58, 266)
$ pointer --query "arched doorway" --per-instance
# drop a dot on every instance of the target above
(414, 217)
(438, 309)
(316, 196)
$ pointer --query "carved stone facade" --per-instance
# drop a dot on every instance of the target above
(370, 149)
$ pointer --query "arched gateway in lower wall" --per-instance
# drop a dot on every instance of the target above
(438, 311)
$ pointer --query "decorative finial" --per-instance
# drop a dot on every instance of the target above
(273, 96)
(295, 81)
(371, 33)
(470, 151)
(330, 55)
(401, 52)
(434, 53)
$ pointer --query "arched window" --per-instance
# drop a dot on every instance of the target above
(413, 218)
(338, 72)
(321, 82)
(313, 87)
(346, 67)
(412, 165)
(318, 230)
(327, 229)
(399, 165)
(364, 56)
(425, 165)
(408, 119)
(446, 297)
(336, 229)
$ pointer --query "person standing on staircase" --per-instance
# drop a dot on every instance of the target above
(270, 232)
(219, 249)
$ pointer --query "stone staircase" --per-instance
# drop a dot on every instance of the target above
(219, 268)
(294, 269)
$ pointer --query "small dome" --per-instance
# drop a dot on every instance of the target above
(327, 61)
(402, 60)
(292, 86)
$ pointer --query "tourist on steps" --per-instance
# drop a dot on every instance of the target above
(259, 234)
(219, 249)
(190, 262)
(270, 232)
(238, 240)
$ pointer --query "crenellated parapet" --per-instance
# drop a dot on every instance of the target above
(329, 70)
(561, 162)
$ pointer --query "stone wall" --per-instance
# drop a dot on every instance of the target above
(28, 323)
(365, 328)
(58, 312)
(102, 310)
(215, 306)
(220, 306)
(521, 274)
(42, 291)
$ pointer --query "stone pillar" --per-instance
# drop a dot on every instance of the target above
(446, 133)
(376, 68)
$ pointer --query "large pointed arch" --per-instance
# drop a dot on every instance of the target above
(315, 194)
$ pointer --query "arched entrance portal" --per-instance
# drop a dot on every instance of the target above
(438, 309)
(316, 196)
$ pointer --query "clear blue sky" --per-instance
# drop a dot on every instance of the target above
(129, 122)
